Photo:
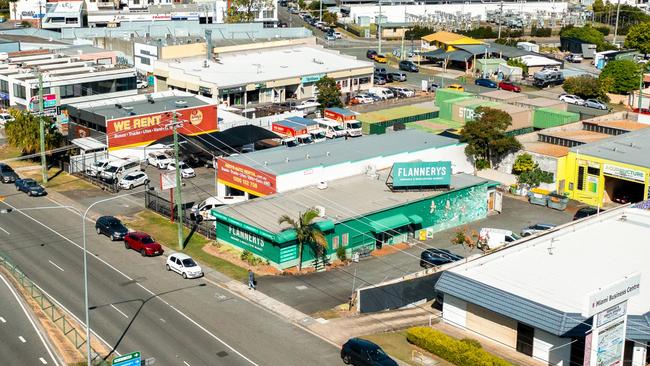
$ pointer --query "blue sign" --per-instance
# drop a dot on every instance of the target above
(132, 359)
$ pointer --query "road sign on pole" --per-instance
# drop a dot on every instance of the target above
(131, 359)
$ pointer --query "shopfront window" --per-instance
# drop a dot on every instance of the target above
(19, 91)
(98, 87)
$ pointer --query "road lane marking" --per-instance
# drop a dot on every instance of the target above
(2, 319)
(55, 265)
(42, 360)
(119, 311)
(163, 320)
(22, 339)
(186, 363)
(5, 231)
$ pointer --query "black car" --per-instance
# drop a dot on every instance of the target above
(7, 174)
(585, 212)
(360, 352)
(436, 257)
(408, 66)
(111, 227)
(371, 54)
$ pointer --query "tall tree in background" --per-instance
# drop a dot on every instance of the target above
(598, 6)
(24, 133)
(585, 86)
(329, 95)
(306, 233)
(485, 137)
(245, 11)
(639, 37)
(624, 75)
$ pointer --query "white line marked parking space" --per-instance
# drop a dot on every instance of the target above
(55, 265)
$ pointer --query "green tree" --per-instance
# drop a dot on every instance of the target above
(624, 75)
(245, 11)
(301, 5)
(533, 178)
(523, 163)
(585, 86)
(330, 18)
(485, 136)
(638, 37)
(306, 233)
(515, 62)
(314, 6)
(466, 238)
(24, 133)
(329, 95)
(586, 34)
(598, 6)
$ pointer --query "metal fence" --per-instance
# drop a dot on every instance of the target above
(165, 208)
(79, 168)
(52, 311)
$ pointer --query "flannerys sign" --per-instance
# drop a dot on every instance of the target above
(422, 174)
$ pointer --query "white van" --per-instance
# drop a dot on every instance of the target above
(493, 238)
(96, 168)
(116, 169)
(204, 207)
(382, 93)
(333, 129)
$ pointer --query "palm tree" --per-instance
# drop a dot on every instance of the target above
(306, 232)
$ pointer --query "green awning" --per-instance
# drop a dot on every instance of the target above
(389, 223)
(285, 236)
(325, 225)
(415, 219)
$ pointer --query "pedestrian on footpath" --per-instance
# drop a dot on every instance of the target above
(251, 280)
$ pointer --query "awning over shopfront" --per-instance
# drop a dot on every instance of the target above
(325, 225)
(415, 219)
(389, 223)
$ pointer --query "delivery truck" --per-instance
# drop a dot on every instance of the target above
(347, 118)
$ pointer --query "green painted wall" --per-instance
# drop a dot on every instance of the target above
(438, 213)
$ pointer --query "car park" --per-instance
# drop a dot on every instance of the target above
(159, 160)
(508, 86)
(143, 243)
(586, 212)
(396, 76)
(572, 99)
(574, 58)
(184, 265)
(432, 257)
(30, 186)
(379, 58)
(536, 228)
(406, 65)
(111, 227)
(360, 352)
(133, 179)
(485, 83)
(7, 174)
(456, 87)
(595, 103)
(186, 170)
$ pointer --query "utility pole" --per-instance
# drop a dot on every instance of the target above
(320, 13)
(500, 17)
(179, 200)
(379, 29)
(640, 90)
(42, 126)
(402, 50)
(618, 8)
(40, 14)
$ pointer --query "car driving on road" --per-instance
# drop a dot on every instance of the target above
(7, 174)
(407, 65)
(184, 265)
(30, 186)
(111, 227)
(485, 83)
(143, 243)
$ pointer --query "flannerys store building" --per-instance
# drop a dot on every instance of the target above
(406, 203)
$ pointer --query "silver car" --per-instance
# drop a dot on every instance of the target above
(595, 103)
(534, 229)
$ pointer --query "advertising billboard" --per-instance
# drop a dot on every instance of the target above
(245, 178)
(422, 174)
(146, 128)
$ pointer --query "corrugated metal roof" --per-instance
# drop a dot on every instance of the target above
(630, 148)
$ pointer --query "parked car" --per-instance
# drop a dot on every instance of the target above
(362, 99)
(572, 99)
(143, 84)
(586, 212)
(6, 117)
(159, 160)
(360, 352)
(7, 174)
(133, 179)
(371, 54)
(407, 65)
(595, 103)
(379, 58)
(456, 87)
(380, 80)
(493, 238)
(505, 85)
(143, 243)
(375, 97)
(402, 92)
(184, 265)
(574, 57)
(186, 170)
(111, 227)
(30, 186)
(436, 257)
(431, 87)
(330, 37)
(337, 35)
(396, 76)
(486, 83)
(534, 229)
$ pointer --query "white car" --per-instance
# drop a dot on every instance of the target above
(133, 179)
(405, 92)
(337, 35)
(159, 160)
(5, 117)
(186, 170)
(143, 84)
(572, 99)
(184, 265)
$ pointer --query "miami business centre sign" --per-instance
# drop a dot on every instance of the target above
(422, 174)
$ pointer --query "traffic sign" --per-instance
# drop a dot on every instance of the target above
(131, 359)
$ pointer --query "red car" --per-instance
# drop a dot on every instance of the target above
(504, 85)
(142, 243)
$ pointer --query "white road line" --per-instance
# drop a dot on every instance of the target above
(130, 279)
(40, 336)
(186, 363)
(119, 311)
(42, 360)
(55, 265)
(22, 339)
(163, 320)
(2, 319)
(5, 231)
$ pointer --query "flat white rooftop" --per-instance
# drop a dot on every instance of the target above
(257, 66)
(586, 256)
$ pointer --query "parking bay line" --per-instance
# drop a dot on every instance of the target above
(55, 265)
(5, 231)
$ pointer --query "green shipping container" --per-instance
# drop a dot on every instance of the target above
(443, 95)
(463, 111)
(446, 105)
(547, 118)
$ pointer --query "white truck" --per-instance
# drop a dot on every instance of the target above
(347, 118)
(332, 128)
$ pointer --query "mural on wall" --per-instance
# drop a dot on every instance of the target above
(459, 208)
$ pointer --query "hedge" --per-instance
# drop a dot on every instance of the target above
(459, 352)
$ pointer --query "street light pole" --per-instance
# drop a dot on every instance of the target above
(42, 127)
(379, 29)
(618, 8)
(179, 200)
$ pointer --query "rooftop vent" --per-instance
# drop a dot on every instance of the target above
(321, 211)
(322, 185)
(180, 103)
(317, 61)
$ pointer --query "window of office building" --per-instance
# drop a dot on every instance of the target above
(4, 86)
(98, 87)
(19, 91)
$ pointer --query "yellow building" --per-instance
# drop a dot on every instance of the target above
(615, 169)
(447, 41)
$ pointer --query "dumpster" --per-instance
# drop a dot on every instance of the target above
(557, 201)
(538, 196)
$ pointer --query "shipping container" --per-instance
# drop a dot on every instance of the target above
(503, 96)
(522, 118)
(547, 117)
(543, 103)
(446, 105)
(463, 111)
(443, 94)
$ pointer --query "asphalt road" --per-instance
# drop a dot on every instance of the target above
(22, 343)
(138, 306)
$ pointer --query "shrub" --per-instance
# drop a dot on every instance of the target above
(540, 32)
(472, 342)
(250, 258)
(340, 252)
(482, 164)
(459, 352)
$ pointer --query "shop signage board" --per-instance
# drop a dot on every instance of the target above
(145, 128)
(611, 341)
(421, 174)
(245, 178)
(311, 78)
(49, 101)
(625, 173)
(615, 312)
(613, 294)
